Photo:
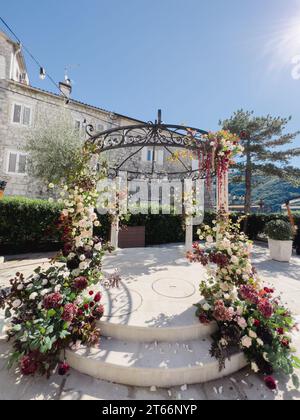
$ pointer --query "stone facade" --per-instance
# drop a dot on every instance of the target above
(21, 107)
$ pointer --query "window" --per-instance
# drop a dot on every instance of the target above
(77, 125)
(149, 155)
(17, 163)
(21, 115)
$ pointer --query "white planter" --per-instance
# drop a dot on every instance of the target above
(281, 250)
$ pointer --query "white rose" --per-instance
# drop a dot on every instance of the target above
(82, 257)
(97, 223)
(33, 296)
(29, 286)
(260, 342)
(209, 239)
(45, 282)
(98, 246)
(265, 356)
(16, 304)
(83, 266)
(252, 334)
(206, 307)
(44, 292)
(240, 311)
(246, 342)
(57, 288)
(234, 259)
(20, 287)
(51, 186)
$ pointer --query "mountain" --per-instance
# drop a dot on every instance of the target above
(273, 191)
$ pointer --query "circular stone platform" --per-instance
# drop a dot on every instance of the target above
(156, 297)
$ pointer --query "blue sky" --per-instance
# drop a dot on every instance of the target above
(197, 60)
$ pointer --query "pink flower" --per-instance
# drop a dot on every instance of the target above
(242, 323)
(52, 301)
(98, 312)
(221, 313)
(265, 308)
(70, 311)
(250, 294)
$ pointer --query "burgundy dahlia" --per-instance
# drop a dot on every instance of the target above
(265, 308)
(70, 311)
(271, 383)
(256, 323)
(250, 294)
(280, 331)
(80, 283)
(28, 365)
(52, 301)
(63, 368)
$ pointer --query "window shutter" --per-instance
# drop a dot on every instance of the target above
(2, 67)
(17, 114)
(160, 157)
(22, 164)
(26, 116)
(12, 162)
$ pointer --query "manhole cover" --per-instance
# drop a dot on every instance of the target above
(173, 288)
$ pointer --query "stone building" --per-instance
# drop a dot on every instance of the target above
(21, 107)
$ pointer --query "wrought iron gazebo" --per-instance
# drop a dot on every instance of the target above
(134, 138)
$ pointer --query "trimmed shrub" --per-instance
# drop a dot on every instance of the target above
(28, 225)
(279, 230)
(31, 226)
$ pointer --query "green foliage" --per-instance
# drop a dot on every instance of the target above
(28, 225)
(55, 150)
(279, 230)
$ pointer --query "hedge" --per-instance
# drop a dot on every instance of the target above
(30, 226)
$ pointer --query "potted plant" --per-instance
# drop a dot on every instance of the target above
(280, 236)
(2, 188)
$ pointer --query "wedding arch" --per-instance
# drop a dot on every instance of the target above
(210, 161)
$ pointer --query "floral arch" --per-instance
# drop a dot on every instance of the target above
(59, 307)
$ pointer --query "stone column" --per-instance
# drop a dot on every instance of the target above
(223, 193)
(189, 233)
(114, 234)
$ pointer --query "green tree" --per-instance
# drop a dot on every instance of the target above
(265, 154)
(55, 149)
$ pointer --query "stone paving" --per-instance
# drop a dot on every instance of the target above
(242, 386)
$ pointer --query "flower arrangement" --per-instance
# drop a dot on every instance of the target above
(249, 316)
(59, 307)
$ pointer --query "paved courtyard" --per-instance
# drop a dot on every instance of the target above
(157, 264)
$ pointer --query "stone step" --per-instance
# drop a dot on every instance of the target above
(195, 331)
(158, 364)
